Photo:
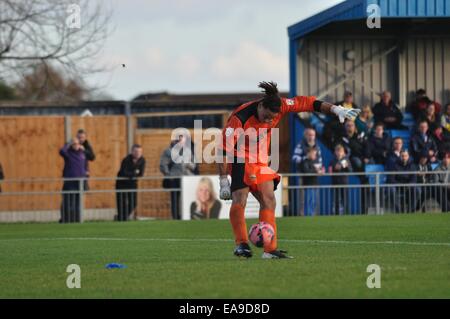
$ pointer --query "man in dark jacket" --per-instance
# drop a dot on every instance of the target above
(393, 158)
(88, 152)
(340, 164)
(87, 148)
(423, 141)
(132, 167)
(424, 178)
(74, 168)
(310, 166)
(378, 145)
(355, 146)
(394, 154)
(387, 112)
(419, 105)
(333, 129)
(406, 195)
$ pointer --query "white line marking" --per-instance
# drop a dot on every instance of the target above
(299, 241)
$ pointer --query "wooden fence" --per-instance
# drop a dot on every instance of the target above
(29, 148)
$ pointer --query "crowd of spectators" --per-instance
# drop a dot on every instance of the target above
(78, 152)
(174, 162)
(368, 140)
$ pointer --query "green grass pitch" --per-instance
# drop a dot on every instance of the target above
(193, 259)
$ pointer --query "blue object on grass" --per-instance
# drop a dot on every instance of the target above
(114, 265)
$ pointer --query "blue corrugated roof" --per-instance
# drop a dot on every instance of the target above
(357, 9)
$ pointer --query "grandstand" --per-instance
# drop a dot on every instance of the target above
(334, 51)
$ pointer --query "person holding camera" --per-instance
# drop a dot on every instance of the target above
(88, 152)
(74, 170)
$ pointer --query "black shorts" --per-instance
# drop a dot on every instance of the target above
(237, 177)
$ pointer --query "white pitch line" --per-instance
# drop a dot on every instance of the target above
(299, 241)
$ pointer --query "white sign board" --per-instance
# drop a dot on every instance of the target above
(199, 201)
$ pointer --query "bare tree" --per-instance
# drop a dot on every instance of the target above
(42, 33)
(47, 84)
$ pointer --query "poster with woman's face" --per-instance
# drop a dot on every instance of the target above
(200, 200)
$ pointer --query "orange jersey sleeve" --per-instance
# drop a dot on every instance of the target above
(230, 134)
(298, 104)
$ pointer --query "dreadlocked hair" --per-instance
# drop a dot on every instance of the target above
(271, 100)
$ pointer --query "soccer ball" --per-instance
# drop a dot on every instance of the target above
(261, 233)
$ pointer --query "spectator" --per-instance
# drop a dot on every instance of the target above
(419, 105)
(364, 121)
(378, 145)
(206, 205)
(74, 168)
(300, 154)
(340, 164)
(442, 176)
(348, 101)
(132, 167)
(424, 178)
(423, 141)
(177, 160)
(88, 152)
(433, 120)
(445, 119)
(394, 154)
(388, 112)
(310, 165)
(333, 129)
(444, 137)
(406, 196)
(308, 141)
(86, 146)
(355, 145)
(2, 176)
(393, 158)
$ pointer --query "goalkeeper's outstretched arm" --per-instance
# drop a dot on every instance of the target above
(311, 104)
(341, 112)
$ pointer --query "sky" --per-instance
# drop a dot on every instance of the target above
(199, 46)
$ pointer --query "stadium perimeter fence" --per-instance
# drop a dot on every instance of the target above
(41, 199)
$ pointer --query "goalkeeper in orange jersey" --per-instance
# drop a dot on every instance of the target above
(248, 164)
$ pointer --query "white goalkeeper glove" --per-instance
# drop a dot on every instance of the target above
(225, 189)
(344, 113)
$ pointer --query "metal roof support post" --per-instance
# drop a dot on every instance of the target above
(402, 76)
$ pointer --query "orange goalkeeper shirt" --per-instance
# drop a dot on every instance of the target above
(245, 137)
